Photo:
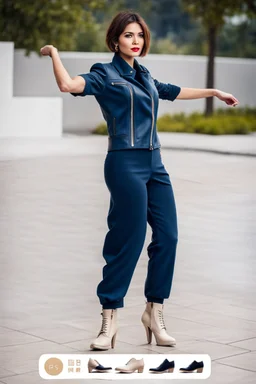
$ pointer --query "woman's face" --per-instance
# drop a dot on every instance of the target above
(131, 40)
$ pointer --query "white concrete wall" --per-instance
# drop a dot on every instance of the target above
(6, 70)
(31, 117)
(25, 116)
(33, 76)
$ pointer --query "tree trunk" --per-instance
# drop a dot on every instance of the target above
(212, 35)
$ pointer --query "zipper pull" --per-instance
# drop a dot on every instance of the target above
(151, 148)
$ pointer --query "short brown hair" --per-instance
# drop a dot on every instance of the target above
(118, 25)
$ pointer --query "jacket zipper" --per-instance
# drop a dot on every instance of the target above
(132, 126)
(152, 128)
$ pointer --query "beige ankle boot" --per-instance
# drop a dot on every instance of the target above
(107, 335)
(153, 321)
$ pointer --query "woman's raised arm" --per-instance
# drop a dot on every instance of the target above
(64, 81)
(196, 93)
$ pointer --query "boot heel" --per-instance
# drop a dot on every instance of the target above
(200, 370)
(113, 341)
(170, 370)
(89, 369)
(140, 370)
(148, 333)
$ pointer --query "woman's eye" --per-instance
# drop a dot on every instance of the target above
(131, 35)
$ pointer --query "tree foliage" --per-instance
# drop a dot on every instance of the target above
(81, 25)
(213, 14)
(31, 24)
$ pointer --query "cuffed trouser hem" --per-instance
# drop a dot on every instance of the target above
(151, 299)
(113, 305)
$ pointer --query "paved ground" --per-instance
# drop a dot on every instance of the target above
(52, 226)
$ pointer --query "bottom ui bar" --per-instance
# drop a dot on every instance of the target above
(124, 366)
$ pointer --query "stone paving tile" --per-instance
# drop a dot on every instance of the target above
(210, 318)
(245, 361)
(5, 373)
(221, 374)
(215, 350)
(60, 334)
(206, 332)
(21, 359)
(126, 347)
(5, 330)
(83, 346)
(16, 338)
(34, 378)
(249, 344)
(238, 312)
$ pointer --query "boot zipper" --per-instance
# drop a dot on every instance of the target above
(131, 92)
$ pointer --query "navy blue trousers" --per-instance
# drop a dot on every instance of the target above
(141, 192)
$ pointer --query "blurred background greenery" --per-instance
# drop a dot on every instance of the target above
(190, 27)
(230, 121)
(177, 26)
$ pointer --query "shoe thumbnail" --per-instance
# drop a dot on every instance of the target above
(132, 366)
(166, 366)
(194, 366)
(95, 366)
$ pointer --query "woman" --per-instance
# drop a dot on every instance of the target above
(139, 185)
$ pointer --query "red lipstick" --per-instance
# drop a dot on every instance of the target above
(135, 49)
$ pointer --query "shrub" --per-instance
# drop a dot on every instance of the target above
(101, 129)
(228, 121)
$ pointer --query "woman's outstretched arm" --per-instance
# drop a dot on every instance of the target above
(196, 93)
(64, 81)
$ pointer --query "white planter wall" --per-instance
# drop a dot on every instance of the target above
(25, 116)
(33, 76)
(35, 102)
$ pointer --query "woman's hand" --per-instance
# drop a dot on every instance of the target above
(47, 50)
(227, 97)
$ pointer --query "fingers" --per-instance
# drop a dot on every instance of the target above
(45, 50)
(229, 99)
(42, 51)
(232, 101)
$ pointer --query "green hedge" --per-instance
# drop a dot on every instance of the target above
(222, 122)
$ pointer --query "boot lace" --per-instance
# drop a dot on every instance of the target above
(104, 325)
(161, 319)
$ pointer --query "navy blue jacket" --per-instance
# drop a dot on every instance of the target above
(129, 106)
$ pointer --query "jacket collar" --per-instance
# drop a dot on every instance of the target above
(124, 68)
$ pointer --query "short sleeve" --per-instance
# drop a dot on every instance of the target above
(95, 81)
(167, 91)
